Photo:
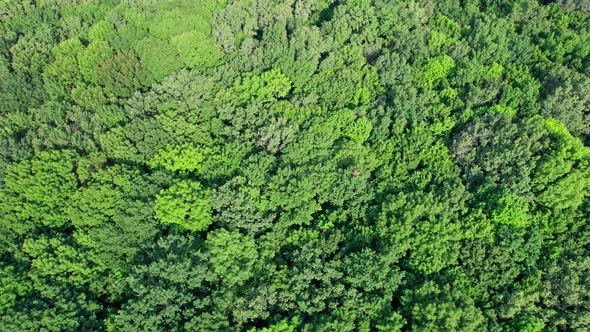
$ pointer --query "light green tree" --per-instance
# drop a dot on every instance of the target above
(185, 204)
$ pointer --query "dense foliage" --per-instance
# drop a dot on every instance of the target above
(294, 165)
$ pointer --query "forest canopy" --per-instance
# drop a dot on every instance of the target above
(294, 165)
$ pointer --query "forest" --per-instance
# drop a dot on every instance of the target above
(294, 165)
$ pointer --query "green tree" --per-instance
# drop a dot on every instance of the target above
(186, 204)
(170, 291)
(113, 218)
(197, 50)
(561, 175)
(162, 63)
(91, 57)
(35, 191)
(267, 87)
(233, 256)
(184, 159)
(64, 73)
(123, 74)
(441, 308)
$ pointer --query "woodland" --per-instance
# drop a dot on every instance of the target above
(294, 165)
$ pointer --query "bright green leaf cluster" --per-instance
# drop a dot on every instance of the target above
(186, 204)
